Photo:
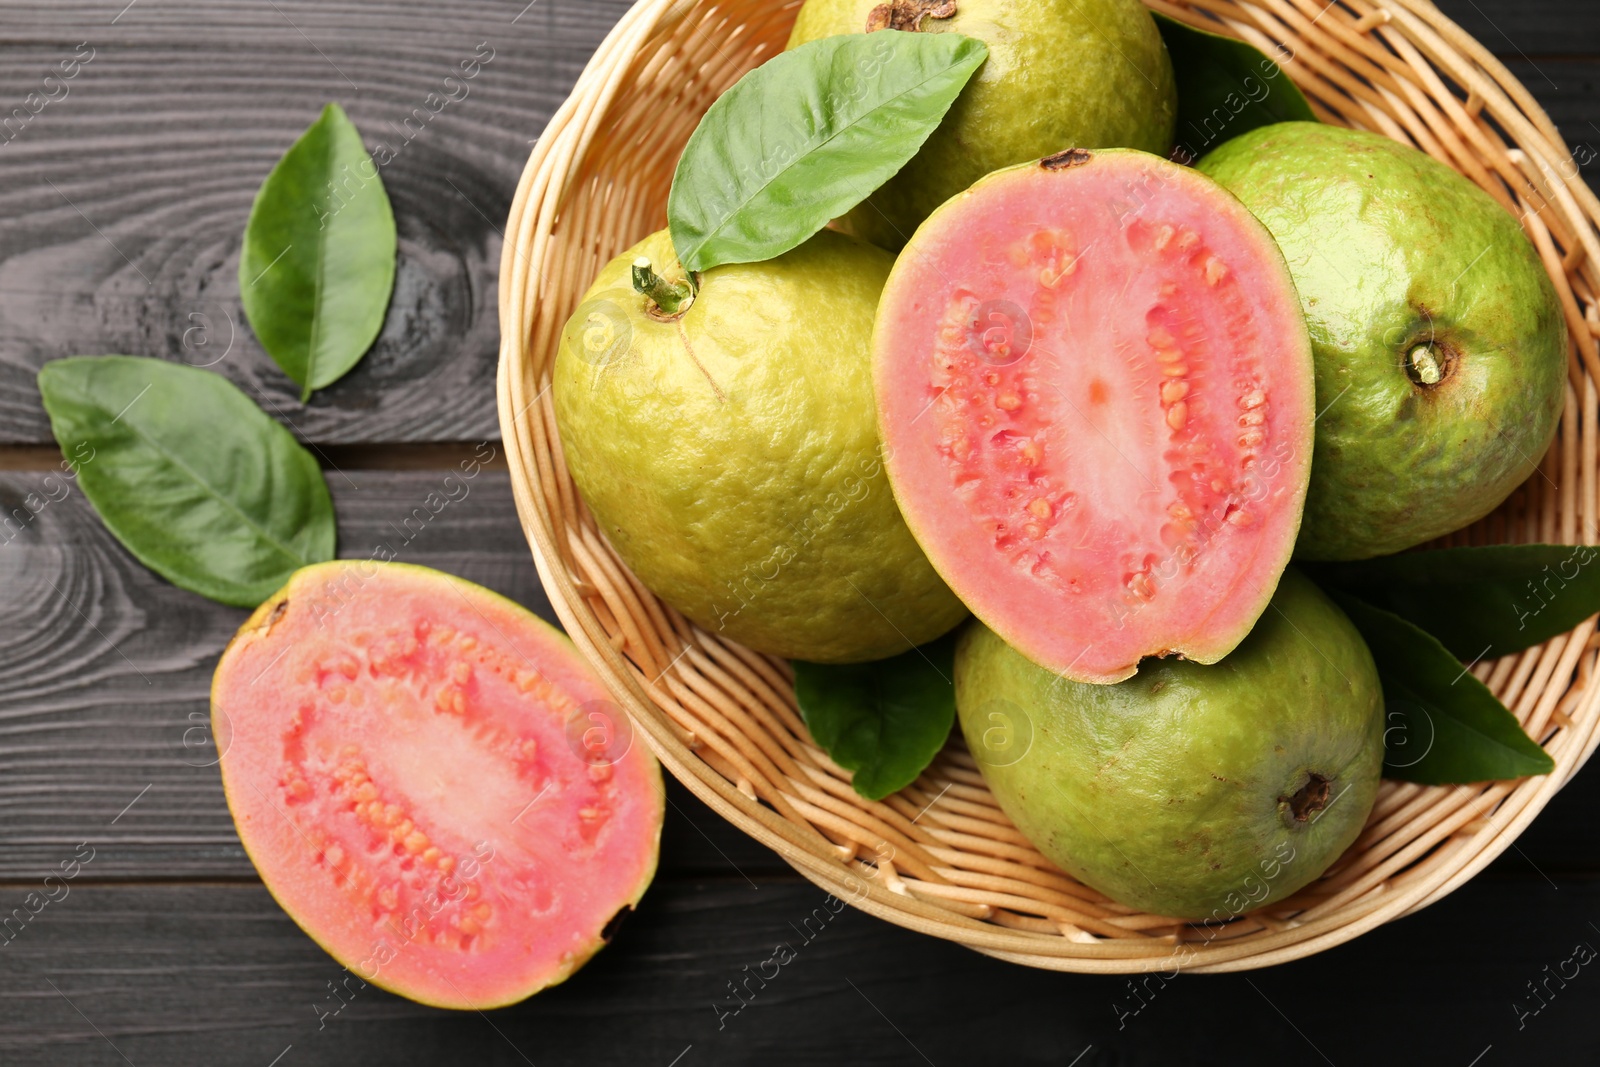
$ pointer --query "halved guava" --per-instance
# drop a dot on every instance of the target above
(1095, 391)
(432, 782)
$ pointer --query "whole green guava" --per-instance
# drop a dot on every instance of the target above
(1060, 74)
(731, 454)
(1439, 341)
(1194, 791)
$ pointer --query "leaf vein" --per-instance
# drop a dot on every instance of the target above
(814, 146)
(217, 495)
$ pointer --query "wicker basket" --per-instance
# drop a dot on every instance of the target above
(939, 856)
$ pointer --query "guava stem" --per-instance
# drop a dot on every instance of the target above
(673, 298)
(1423, 365)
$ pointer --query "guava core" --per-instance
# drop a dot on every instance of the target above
(731, 453)
(1094, 383)
(1060, 74)
(432, 782)
(1197, 792)
(1441, 349)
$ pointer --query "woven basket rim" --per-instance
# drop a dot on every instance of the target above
(1403, 51)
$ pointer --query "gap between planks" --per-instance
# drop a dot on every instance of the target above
(698, 876)
(405, 456)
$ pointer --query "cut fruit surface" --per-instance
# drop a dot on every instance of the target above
(1095, 391)
(432, 783)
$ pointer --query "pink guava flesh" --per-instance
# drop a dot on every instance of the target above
(1095, 390)
(432, 783)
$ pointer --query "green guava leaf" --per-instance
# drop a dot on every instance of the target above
(1482, 602)
(189, 474)
(807, 136)
(1442, 725)
(317, 267)
(1225, 87)
(886, 720)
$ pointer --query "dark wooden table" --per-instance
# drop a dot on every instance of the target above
(121, 206)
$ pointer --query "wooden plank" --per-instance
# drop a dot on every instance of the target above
(1523, 28)
(123, 200)
(1569, 90)
(219, 975)
(105, 671)
(1548, 27)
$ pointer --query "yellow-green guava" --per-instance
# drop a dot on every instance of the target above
(1440, 346)
(1194, 791)
(730, 450)
(1060, 74)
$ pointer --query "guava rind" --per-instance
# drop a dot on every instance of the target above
(732, 456)
(1165, 791)
(251, 674)
(1390, 248)
(1060, 74)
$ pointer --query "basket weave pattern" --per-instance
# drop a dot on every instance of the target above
(940, 856)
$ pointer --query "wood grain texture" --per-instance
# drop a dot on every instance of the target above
(105, 672)
(1569, 89)
(219, 975)
(1529, 28)
(121, 207)
(122, 201)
